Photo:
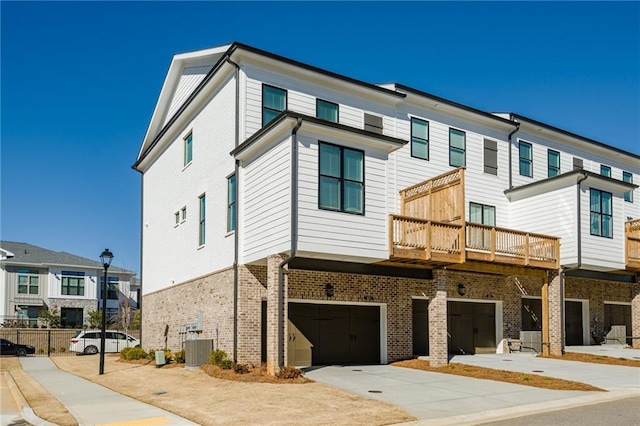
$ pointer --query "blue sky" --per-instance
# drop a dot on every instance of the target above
(79, 82)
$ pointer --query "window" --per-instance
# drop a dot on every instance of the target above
(177, 215)
(553, 163)
(605, 170)
(113, 287)
(457, 147)
(188, 149)
(419, 138)
(526, 159)
(231, 203)
(601, 213)
(183, 214)
(327, 110)
(628, 177)
(491, 157)
(373, 123)
(480, 237)
(27, 281)
(274, 101)
(202, 218)
(71, 317)
(578, 164)
(72, 283)
(341, 179)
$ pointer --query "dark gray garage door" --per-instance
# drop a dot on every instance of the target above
(340, 334)
(573, 323)
(472, 327)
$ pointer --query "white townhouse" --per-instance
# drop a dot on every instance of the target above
(33, 279)
(312, 218)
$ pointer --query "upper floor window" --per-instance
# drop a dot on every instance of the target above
(553, 163)
(28, 281)
(457, 148)
(601, 206)
(231, 203)
(177, 217)
(341, 179)
(72, 283)
(628, 177)
(526, 159)
(188, 149)
(201, 202)
(327, 110)
(605, 170)
(578, 164)
(491, 157)
(373, 123)
(483, 214)
(419, 138)
(274, 101)
(113, 284)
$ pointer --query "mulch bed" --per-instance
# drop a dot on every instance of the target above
(596, 359)
(257, 374)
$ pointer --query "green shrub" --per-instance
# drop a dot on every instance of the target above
(133, 353)
(151, 355)
(179, 356)
(241, 368)
(289, 372)
(226, 364)
(217, 357)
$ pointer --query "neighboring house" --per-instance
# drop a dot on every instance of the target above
(313, 218)
(36, 279)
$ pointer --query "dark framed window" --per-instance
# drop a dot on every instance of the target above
(526, 159)
(419, 138)
(113, 287)
(601, 206)
(274, 101)
(553, 163)
(201, 223)
(457, 148)
(72, 283)
(28, 281)
(341, 179)
(327, 110)
(231, 203)
(605, 170)
(188, 149)
(628, 177)
(491, 157)
(373, 123)
(482, 213)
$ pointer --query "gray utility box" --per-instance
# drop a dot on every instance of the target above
(197, 351)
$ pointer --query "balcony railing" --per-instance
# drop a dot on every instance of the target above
(632, 231)
(415, 240)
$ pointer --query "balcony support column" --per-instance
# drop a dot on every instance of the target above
(635, 315)
(276, 315)
(552, 337)
(438, 320)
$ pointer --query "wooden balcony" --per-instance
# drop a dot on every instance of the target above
(432, 243)
(632, 232)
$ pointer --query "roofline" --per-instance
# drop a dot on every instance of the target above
(582, 172)
(574, 135)
(455, 104)
(66, 265)
(284, 115)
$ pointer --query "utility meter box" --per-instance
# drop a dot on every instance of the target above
(160, 360)
(197, 351)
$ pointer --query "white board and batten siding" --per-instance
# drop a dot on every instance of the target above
(55, 283)
(189, 80)
(338, 235)
(265, 203)
(172, 254)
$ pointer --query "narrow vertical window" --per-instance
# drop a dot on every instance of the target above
(274, 101)
(628, 177)
(553, 163)
(419, 138)
(526, 159)
(327, 110)
(341, 180)
(188, 149)
(201, 223)
(491, 157)
(457, 148)
(231, 203)
(601, 206)
(177, 215)
(605, 170)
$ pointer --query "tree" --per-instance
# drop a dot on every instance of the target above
(50, 317)
(95, 319)
(137, 320)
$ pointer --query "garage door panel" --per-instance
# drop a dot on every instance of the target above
(471, 326)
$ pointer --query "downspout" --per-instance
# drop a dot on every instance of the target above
(141, 249)
(510, 153)
(236, 236)
(294, 239)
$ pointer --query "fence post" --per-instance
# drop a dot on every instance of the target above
(18, 337)
(49, 343)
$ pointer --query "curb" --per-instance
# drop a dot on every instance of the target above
(529, 409)
(26, 411)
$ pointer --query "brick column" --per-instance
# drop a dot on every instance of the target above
(635, 315)
(438, 354)
(556, 343)
(274, 315)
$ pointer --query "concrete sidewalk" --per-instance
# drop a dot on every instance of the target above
(92, 404)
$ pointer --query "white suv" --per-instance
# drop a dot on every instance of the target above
(88, 341)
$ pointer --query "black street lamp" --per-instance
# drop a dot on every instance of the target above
(105, 258)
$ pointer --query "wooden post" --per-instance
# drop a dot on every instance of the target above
(545, 316)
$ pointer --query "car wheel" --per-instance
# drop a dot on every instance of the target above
(21, 352)
(90, 350)
(137, 346)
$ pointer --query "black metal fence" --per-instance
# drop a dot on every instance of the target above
(48, 342)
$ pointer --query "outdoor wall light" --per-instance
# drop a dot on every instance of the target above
(328, 289)
(462, 290)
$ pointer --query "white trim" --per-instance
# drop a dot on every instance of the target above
(586, 329)
(530, 297)
(610, 302)
(420, 297)
(383, 318)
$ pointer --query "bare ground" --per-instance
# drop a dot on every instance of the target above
(195, 395)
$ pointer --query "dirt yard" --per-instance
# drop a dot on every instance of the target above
(209, 401)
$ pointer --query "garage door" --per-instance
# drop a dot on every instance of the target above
(471, 327)
(573, 323)
(340, 334)
(615, 314)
